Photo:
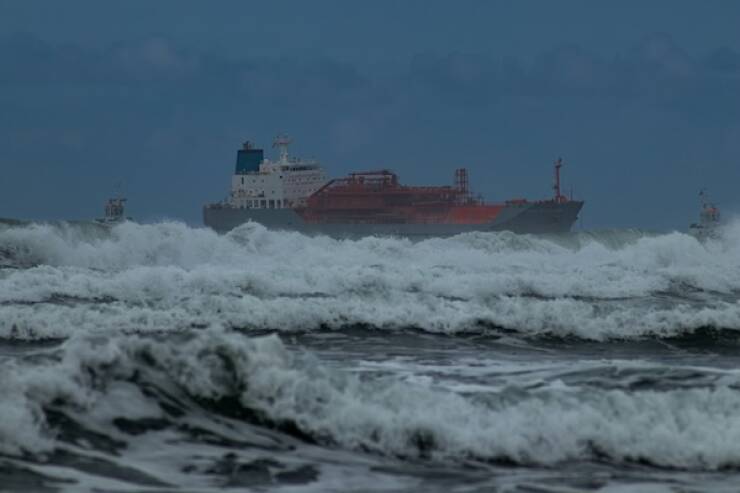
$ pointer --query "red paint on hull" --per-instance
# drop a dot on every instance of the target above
(474, 214)
(377, 197)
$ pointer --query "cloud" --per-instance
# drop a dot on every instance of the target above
(29, 60)
(724, 59)
(655, 71)
(660, 52)
(152, 57)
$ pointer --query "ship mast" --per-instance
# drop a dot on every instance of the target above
(559, 198)
(703, 198)
(282, 142)
(462, 185)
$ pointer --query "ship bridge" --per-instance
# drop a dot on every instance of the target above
(259, 183)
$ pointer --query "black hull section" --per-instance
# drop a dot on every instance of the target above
(528, 218)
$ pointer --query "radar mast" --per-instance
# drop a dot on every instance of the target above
(282, 142)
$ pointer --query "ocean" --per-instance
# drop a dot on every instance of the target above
(167, 358)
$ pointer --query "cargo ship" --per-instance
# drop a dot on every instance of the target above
(295, 194)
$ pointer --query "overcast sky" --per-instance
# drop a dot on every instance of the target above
(641, 99)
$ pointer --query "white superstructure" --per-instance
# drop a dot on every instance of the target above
(285, 183)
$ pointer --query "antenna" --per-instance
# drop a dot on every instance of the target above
(119, 189)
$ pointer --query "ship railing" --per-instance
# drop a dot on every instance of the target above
(375, 172)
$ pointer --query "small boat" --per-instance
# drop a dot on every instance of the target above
(114, 212)
(709, 220)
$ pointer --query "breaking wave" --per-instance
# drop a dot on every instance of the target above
(107, 392)
(59, 280)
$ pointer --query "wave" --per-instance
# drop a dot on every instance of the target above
(59, 280)
(120, 389)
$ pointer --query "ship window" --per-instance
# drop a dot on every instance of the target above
(272, 204)
(263, 203)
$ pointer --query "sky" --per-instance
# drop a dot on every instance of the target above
(641, 100)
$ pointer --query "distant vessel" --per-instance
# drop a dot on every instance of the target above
(709, 219)
(114, 211)
(294, 194)
(12, 222)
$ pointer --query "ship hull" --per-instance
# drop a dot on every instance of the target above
(526, 218)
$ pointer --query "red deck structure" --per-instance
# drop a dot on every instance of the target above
(377, 197)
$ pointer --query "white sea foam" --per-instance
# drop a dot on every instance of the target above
(168, 276)
(27, 388)
(685, 428)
